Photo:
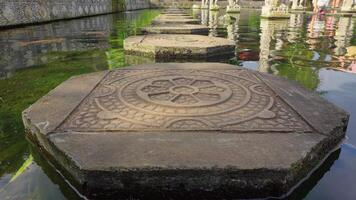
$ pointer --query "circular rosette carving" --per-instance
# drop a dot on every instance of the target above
(184, 91)
(180, 99)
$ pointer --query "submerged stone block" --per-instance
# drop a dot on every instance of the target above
(188, 129)
(176, 46)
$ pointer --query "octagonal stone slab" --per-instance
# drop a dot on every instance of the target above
(189, 128)
(177, 29)
(176, 46)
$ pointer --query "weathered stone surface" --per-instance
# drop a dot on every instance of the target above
(178, 29)
(169, 46)
(188, 128)
(43, 117)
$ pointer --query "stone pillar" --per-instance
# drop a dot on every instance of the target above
(348, 6)
(214, 5)
(204, 4)
(233, 6)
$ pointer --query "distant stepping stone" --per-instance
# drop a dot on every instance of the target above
(176, 14)
(177, 29)
(165, 16)
(175, 46)
(173, 11)
(175, 21)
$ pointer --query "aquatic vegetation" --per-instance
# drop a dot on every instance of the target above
(27, 85)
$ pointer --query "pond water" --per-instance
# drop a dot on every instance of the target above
(312, 50)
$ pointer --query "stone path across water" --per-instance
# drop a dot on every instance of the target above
(193, 129)
(170, 46)
(179, 46)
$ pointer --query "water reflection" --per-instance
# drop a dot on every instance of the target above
(39, 181)
(213, 23)
(232, 26)
(29, 46)
(295, 23)
(70, 48)
(204, 17)
(270, 29)
(345, 60)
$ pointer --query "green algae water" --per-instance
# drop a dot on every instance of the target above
(316, 51)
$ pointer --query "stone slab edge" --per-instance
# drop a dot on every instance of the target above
(182, 52)
(45, 115)
(53, 111)
(322, 115)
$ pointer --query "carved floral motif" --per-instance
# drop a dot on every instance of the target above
(181, 99)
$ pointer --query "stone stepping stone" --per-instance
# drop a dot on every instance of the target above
(177, 46)
(164, 16)
(188, 128)
(172, 14)
(175, 21)
(177, 29)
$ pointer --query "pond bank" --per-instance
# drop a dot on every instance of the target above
(16, 12)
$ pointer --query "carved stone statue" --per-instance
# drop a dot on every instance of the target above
(273, 9)
(233, 6)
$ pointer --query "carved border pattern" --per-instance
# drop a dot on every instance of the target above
(181, 100)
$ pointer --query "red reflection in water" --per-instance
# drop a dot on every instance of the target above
(249, 56)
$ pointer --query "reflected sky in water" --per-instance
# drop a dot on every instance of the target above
(319, 52)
